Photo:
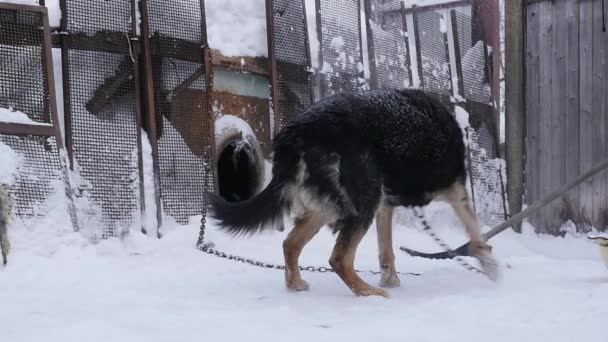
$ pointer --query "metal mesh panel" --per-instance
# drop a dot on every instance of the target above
(38, 174)
(23, 83)
(102, 106)
(433, 52)
(291, 50)
(181, 103)
(389, 44)
(341, 61)
(473, 61)
(485, 168)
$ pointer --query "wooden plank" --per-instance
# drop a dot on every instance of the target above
(558, 113)
(532, 166)
(598, 113)
(571, 121)
(546, 108)
(585, 104)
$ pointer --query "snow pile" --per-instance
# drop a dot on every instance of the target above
(60, 288)
(9, 163)
(12, 116)
(237, 27)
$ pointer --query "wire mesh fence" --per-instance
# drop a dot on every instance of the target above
(101, 111)
(340, 54)
(34, 166)
(181, 104)
(292, 58)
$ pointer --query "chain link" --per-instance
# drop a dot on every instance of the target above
(427, 229)
(209, 248)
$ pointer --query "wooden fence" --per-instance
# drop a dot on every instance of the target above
(567, 104)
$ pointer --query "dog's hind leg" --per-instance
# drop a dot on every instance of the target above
(459, 200)
(384, 227)
(343, 261)
(306, 227)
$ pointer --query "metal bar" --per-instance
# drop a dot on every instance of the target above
(135, 52)
(362, 73)
(370, 45)
(458, 56)
(205, 40)
(307, 44)
(20, 7)
(417, 42)
(407, 44)
(50, 80)
(438, 6)
(318, 77)
(24, 129)
(149, 105)
(65, 72)
(212, 148)
(447, 55)
(272, 58)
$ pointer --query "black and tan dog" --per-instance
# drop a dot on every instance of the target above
(349, 158)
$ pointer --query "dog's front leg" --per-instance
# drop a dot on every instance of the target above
(386, 256)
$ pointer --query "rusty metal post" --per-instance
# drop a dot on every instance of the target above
(457, 54)
(417, 42)
(407, 44)
(65, 73)
(272, 59)
(149, 106)
(373, 78)
(135, 52)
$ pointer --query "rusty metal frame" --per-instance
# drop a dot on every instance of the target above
(52, 128)
(457, 55)
(272, 58)
(444, 5)
(407, 44)
(373, 77)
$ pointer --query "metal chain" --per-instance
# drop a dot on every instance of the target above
(209, 248)
(427, 229)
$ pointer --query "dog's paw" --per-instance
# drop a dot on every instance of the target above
(370, 291)
(298, 285)
(389, 280)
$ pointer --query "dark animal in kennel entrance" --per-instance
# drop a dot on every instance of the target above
(351, 157)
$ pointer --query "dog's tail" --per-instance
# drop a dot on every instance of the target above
(263, 211)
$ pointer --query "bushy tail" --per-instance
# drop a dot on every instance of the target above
(263, 211)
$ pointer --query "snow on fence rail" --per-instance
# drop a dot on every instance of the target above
(140, 102)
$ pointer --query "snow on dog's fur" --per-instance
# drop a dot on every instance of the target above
(351, 157)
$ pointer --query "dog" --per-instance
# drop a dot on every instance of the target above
(5, 206)
(352, 157)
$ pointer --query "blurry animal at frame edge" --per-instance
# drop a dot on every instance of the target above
(5, 209)
(352, 157)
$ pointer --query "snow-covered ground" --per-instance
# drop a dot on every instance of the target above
(58, 287)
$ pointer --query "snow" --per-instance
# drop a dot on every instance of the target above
(237, 27)
(61, 288)
(9, 163)
(227, 122)
(12, 116)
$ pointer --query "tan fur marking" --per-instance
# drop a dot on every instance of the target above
(386, 256)
(343, 262)
(305, 229)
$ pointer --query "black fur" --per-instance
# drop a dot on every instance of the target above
(404, 143)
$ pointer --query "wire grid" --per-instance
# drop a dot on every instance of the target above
(389, 42)
(23, 81)
(38, 173)
(291, 49)
(436, 76)
(181, 104)
(485, 171)
(104, 120)
(340, 34)
(473, 61)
